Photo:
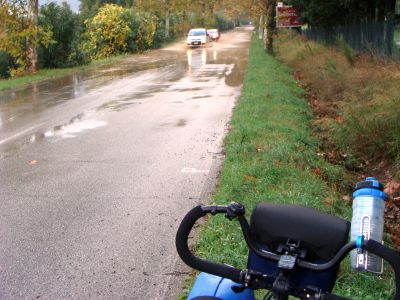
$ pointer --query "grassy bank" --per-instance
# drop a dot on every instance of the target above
(355, 99)
(356, 103)
(52, 73)
(271, 155)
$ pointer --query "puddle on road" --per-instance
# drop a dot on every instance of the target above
(126, 100)
(76, 125)
(227, 63)
(70, 130)
(201, 97)
(189, 89)
(118, 105)
(181, 123)
(193, 73)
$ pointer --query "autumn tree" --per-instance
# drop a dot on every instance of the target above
(163, 8)
(144, 28)
(263, 15)
(205, 11)
(89, 8)
(167, 9)
(237, 10)
(107, 31)
(20, 35)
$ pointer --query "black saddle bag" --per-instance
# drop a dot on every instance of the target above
(321, 236)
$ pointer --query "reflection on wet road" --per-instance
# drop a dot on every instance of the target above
(97, 169)
(126, 84)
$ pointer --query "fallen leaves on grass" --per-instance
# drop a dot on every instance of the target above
(249, 178)
(392, 188)
(392, 212)
(317, 171)
(328, 201)
(347, 199)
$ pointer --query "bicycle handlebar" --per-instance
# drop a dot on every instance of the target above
(186, 255)
(237, 275)
(391, 256)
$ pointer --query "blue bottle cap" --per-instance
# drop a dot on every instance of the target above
(370, 182)
(370, 187)
(370, 192)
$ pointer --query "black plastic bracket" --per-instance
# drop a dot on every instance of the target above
(281, 285)
(235, 210)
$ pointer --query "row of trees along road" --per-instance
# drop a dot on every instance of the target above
(107, 27)
(64, 38)
(53, 36)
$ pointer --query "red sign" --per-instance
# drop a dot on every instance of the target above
(287, 16)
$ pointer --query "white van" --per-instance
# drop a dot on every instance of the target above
(197, 37)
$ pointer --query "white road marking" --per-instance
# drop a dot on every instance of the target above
(19, 133)
(193, 170)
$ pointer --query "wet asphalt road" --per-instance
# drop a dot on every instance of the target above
(97, 169)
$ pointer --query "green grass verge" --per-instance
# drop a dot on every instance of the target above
(53, 73)
(271, 155)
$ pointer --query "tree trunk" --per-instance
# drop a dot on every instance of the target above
(31, 42)
(390, 9)
(261, 27)
(265, 32)
(381, 11)
(167, 19)
(371, 10)
(270, 19)
(203, 15)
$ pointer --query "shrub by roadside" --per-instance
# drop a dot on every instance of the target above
(271, 155)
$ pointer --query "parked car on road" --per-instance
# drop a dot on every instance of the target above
(197, 37)
(214, 34)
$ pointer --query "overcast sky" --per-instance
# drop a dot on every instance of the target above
(74, 4)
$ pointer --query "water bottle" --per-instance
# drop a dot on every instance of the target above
(368, 221)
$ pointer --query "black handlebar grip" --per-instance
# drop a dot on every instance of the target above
(202, 265)
(391, 256)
